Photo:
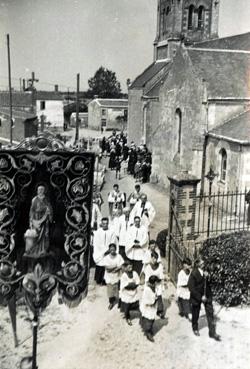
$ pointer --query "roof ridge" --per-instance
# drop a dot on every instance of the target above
(139, 75)
(222, 38)
(159, 79)
(236, 51)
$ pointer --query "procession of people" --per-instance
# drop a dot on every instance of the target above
(131, 264)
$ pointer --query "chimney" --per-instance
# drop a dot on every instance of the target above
(56, 88)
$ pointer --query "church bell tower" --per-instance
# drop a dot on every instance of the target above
(185, 21)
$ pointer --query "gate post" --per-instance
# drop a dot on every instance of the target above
(182, 209)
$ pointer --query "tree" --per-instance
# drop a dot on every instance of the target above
(104, 84)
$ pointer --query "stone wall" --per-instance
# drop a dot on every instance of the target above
(182, 90)
(135, 115)
(234, 165)
(17, 131)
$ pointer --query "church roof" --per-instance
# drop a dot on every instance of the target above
(227, 74)
(237, 42)
(148, 74)
(236, 129)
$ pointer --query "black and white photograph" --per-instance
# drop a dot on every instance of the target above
(124, 184)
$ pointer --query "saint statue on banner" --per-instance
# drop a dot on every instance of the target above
(40, 216)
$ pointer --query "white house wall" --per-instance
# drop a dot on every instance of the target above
(53, 112)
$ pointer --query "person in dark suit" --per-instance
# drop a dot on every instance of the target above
(200, 292)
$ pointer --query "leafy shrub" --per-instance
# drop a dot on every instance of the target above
(227, 259)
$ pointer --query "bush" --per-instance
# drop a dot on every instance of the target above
(227, 258)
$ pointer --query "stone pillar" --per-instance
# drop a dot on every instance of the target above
(183, 188)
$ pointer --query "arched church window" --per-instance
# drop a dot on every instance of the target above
(178, 119)
(223, 171)
(201, 12)
(168, 10)
(190, 16)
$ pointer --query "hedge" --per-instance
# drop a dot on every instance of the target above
(227, 259)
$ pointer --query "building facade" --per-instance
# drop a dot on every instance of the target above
(108, 114)
(178, 22)
(204, 84)
(50, 105)
(24, 119)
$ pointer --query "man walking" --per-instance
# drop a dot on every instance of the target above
(200, 292)
(103, 237)
(137, 243)
(145, 210)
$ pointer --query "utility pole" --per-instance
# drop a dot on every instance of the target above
(77, 107)
(10, 89)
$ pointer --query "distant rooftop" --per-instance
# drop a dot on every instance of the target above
(236, 129)
(48, 95)
(19, 99)
(112, 103)
(17, 114)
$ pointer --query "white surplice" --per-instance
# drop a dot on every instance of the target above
(148, 303)
(96, 215)
(149, 271)
(101, 241)
(123, 228)
(112, 262)
(140, 234)
(139, 211)
(129, 296)
(182, 285)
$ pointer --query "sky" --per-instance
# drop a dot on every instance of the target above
(60, 38)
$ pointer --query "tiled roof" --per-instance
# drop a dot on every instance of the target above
(17, 114)
(19, 99)
(237, 42)
(148, 74)
(236, 129)
(227, 74)
(113, 103)
(48, 95)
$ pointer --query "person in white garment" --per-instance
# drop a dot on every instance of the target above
(103, 237)
(148, 307)
(134, 196)
(145, 210)
(113, 263)
(96, 216)
(137, 244)
(151, 248)
(122, 231)
(155, 268)
(116, 199)
(129, 292)
(183, 293)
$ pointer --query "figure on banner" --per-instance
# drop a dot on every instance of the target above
(40, 216)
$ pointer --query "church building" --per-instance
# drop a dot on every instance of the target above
(191, 105)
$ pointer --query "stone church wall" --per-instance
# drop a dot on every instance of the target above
(234, 165)
(135, 116)
(181, 90)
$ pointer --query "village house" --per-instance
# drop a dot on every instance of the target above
(49, 104)
(108, 114)
(193, 101)
(24, 119)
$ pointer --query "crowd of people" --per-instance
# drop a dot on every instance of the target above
(129, 263)
(135, 160)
